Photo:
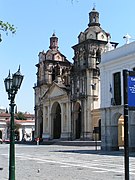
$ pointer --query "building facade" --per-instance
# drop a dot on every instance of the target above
(112, 110)
(67, 95)
(24, 129)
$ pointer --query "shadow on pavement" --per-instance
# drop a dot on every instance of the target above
(98, 152)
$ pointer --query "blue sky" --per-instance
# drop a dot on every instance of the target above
(36, 20)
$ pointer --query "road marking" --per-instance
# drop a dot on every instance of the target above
(73, 164)
(65, 166)
(83, 164)
(99, 171)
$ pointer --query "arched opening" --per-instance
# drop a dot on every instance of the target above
(121, 131)
(53, 74)
(78, 121)
(0, 134)
(40, 117)
(98, 56)
(41, 128)
(56, 111)
(117, 132)
(99, 126)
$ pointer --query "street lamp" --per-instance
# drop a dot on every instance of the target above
(12, 85)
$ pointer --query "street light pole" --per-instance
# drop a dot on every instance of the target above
(126, 131)
(12, 142)
(12, 85)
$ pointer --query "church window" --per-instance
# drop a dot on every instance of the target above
(98, 56)
(96, 72)
(117, 87)
(94, 19)
(102, 36)
(63, 71)
(72, 85)
(134, 69)
(77, 85)
(81, 86)
(53, 74)
(91, 36)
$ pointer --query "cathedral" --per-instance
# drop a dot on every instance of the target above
(67, 95)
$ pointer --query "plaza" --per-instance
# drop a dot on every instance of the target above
(49, 162)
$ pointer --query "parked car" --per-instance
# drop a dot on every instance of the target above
(6, 141)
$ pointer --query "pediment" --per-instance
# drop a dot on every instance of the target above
(55, 91)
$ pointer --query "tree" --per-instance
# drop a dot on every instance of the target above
(20, 116)
(6, 27)
(17, 126)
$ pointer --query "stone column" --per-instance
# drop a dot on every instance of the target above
(104, 138)
(69, 119)
(65, 121)
(37, 124)
(87, 120)
(109, 131)
(46, 134)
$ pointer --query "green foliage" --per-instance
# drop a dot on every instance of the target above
(20, 116)
(7, 27)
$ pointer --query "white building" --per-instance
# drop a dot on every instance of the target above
(111, 72)
(24, 129)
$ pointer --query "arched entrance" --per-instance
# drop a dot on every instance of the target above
(56, 120)
(121, 131)
(78, 121)
(110, 124)
(116, 131)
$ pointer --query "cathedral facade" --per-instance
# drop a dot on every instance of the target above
(67, 95)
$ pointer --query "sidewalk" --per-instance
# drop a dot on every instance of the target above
(62, 142)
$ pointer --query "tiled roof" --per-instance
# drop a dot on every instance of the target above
(7, 115)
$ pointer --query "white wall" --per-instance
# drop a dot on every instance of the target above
(111, 62)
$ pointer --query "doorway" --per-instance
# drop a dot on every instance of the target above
(56, 109)
(78, 121)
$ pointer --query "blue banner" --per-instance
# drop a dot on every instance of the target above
(131, 91)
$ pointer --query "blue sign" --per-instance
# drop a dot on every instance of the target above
(131, 91)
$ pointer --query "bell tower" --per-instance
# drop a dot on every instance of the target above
(85, 79)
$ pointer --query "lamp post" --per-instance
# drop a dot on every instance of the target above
(12, 85)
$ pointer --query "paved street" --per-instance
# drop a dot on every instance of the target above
(53, 162)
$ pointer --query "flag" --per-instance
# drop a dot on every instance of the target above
(110, 88)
